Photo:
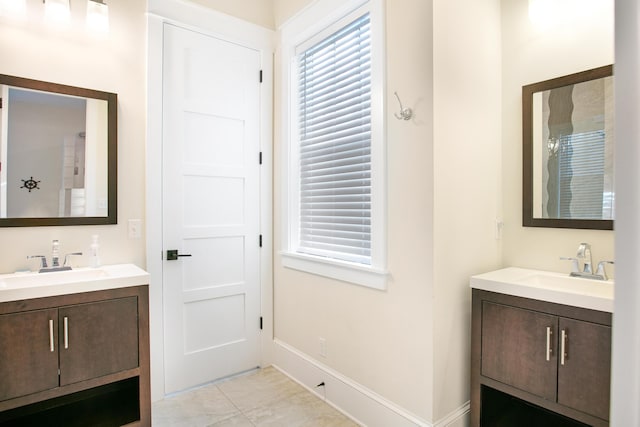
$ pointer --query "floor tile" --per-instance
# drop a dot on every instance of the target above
(262, 398)
(236, 421)
(201, 407)
(260, 389)
(302, 409)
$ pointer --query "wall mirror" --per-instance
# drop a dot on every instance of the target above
(568, 146)
(58, 154)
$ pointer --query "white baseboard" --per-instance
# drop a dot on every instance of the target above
(461, 417)
(364, 406)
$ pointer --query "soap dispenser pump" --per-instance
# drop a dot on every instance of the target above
(94, 260)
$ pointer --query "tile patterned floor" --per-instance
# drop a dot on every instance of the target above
(262, 398)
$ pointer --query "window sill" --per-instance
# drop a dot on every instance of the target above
(347, 272)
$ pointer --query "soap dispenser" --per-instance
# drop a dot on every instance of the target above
(94, 255)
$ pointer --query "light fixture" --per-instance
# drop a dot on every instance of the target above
(97, 16)
(57, 11)
(13, 8)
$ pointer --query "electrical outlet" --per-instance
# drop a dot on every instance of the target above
(323, 347)
(135, 228)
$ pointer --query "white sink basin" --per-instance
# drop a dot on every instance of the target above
(548, 286)
(19, 286)
(52, 278)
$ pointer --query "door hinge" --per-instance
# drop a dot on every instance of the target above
(0, 102)
(260, 76)
(260, 240)
(260, 322)
(260, 157)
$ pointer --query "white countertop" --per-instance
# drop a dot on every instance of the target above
(548, 286)
(19, 286)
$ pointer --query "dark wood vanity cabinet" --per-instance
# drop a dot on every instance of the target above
(74, 353)
(553, 356)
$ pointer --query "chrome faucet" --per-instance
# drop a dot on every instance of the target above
(584, 256)
(55, 259)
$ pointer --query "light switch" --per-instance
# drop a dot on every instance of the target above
(135, 228)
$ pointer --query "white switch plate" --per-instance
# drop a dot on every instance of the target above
(135, 228)
(323, 347)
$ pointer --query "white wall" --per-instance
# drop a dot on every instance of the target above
(113, 64)
(467, 166)
(379, 339)
(575, 41)
(285, 9)
(259, 12)
(410, 344)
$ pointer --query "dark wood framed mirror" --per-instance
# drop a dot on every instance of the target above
(568, 145)
(58, 154)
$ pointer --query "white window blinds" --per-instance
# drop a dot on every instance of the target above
(335, 145)
(582, 177)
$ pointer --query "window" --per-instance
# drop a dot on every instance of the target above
(336, 164)
(335, 145)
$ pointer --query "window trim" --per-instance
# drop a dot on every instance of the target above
(300, 31)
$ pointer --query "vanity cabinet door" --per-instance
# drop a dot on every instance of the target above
(98, 339)
(514, 348)
(584, 372)
(28, 353)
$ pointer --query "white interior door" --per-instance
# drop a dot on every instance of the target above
(211, 208)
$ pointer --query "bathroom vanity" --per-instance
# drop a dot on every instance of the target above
(540, 350)
(74, 348)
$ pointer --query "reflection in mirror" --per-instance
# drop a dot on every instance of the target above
(568, 151)
(57, 154)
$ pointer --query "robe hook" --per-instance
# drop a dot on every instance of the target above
(405, 113)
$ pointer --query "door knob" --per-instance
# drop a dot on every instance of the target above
(172, 254)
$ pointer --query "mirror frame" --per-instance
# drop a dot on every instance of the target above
(527, 152)
(112, 153)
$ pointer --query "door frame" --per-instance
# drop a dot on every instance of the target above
(209, 22)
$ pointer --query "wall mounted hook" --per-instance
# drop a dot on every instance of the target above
(405, 113)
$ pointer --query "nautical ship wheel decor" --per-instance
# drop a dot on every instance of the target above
(30, 184)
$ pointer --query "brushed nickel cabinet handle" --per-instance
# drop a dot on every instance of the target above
(51, 344)
(66, 332)
(563, 344)
(549, 350)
